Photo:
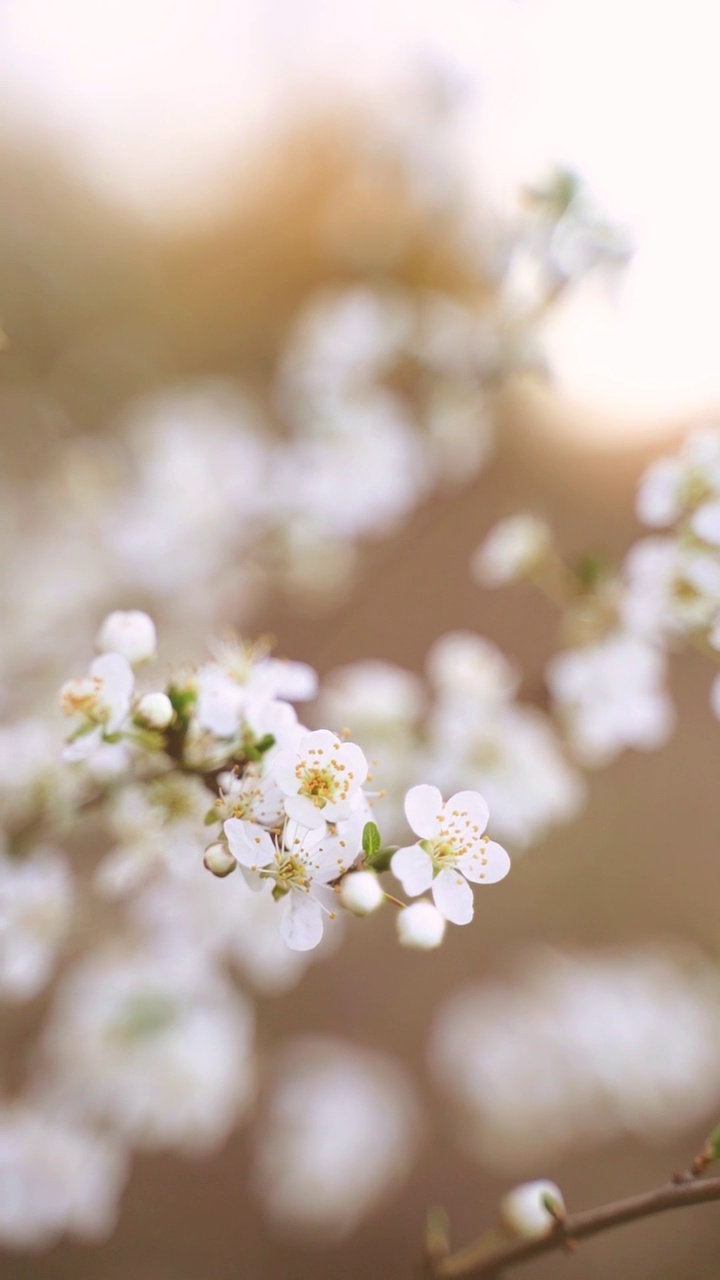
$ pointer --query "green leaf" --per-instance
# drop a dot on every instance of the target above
(380, 861)
(211, 816)
(265, 743)
(371, 841)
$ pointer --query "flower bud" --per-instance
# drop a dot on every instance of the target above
(130, 633)
(155, 710)
(527, 1211)
(421, 925)
(219, 860)
(361, 892)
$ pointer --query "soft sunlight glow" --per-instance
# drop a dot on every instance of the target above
(154, 97)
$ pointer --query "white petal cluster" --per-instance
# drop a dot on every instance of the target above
(679, 485)
(55, 1178)
(131, 634)
(573, 1051)
(98, 704)
(154, 1046)
(36, 902)
(611, 695)
(339, 1135)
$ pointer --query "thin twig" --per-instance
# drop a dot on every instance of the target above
(475, 1260)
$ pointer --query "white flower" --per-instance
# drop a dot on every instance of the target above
(513, 549)
(153, 1045)
(156, 710)
(525, 1210)
(675, 485)
(451, 851)
(36, 898)
(131, 634)
(301, 864)
(611, 696)
(338, 1137)
(670, 588)
(322, 779)
(55, 1177)
(99, 703)
(705, 523)
(569, 1052)
(466, 666)
(361, 892)
(421, 925)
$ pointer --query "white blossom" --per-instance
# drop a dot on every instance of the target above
(36, 901)
(131, 634)
(99, 703)
(669, 589)
(338, 1136)
(301, 864)
(611, 696)
(569, 1051)
(55, 1178)
(322, 779)
(514, 548)
(452, 850)
(465, 666)
(152, 1044)
(672, 486)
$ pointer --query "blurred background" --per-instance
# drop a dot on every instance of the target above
(297, 301)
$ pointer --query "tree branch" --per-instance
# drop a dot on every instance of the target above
(486, 1258)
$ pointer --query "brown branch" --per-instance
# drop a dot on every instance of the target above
(485, 1258)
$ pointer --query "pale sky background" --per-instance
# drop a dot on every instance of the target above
(151, 97)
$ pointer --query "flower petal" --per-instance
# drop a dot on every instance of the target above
(301, 925)
(473, 804)
(423, 810)
(485, 865)
(453, 896)
(302, 809)
(413, 868)
(249, 843)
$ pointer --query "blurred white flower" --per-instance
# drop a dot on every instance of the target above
(673, 486)
(55, 1178)
(131, 634)
(514, 548)
(36, 902)
(511, 754)
(452, 850)
(576, 1051)
(669, 589)
(465, 666)
(98, 703)
(611, 695)
(338, 1137)
(153, 1045)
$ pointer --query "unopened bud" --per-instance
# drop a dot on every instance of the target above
(130, 633)
(155, 710)
(513, 549)
(421, 925)
(219, 860)
(532, 1210)
(361, 892)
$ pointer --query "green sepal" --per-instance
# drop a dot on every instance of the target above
(211, 816)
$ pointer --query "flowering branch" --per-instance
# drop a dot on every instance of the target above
(493, 1254)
